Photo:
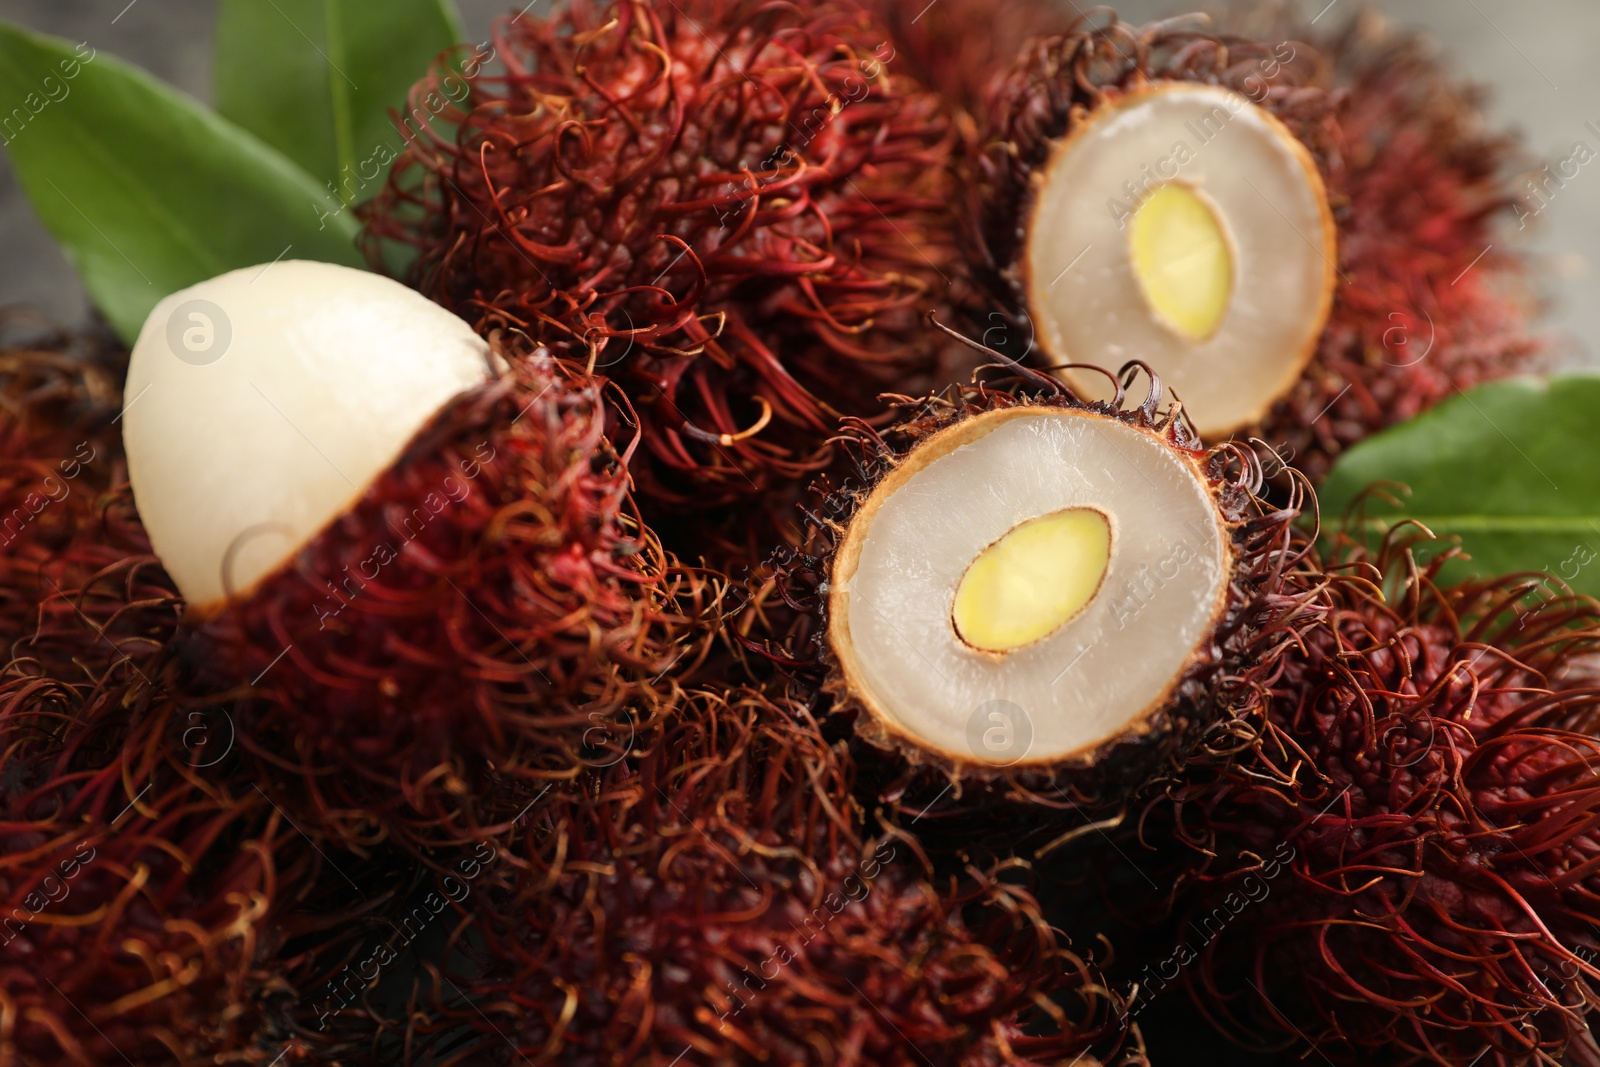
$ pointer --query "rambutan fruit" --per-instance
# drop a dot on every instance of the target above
(1043, 595)
(1427, 306)
(1277, 249)
(419, 566)
(715, 900)
(734, 209)
(1409, 844)
(79, 590)
(150, 911)
(957, 47)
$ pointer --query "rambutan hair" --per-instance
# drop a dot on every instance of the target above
(1422, 309)
(1428, 307)
(735, 209)
(1419, 803)
(717, 894)
(79, 588)
(490, 614)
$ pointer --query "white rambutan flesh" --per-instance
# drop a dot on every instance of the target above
(1028, 586)
(1186, 227)
(263, 403)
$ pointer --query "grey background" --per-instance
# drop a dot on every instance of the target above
(1536, 56)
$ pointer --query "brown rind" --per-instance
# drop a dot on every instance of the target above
(847, 686)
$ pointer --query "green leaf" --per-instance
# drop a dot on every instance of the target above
(316, 78)
(1511, 468)
(148, 191)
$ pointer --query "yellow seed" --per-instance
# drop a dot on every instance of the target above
(1182, 260)
(1027, 585)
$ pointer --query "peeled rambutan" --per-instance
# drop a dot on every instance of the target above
(418, 565)
(1301, 252)
(716, 900)
(1039, 595)
(734, 209)
(1402, 865)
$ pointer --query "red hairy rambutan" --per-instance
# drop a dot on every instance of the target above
(734, 209)
(423, 633)
(79, 589)
(152, 910)
(957, 47)
(1410, 840)
(1426, 308)
(715, 900)
(1344, 204)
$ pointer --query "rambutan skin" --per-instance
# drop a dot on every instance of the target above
(493, 598)
(957, 47)
(1265, 603)
(1421, 307)
(734, 209)
(1419, 805)
(1432, 301)
(79, 587)
(714, 899)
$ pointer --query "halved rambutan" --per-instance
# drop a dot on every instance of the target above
(1292, 258)
(734, 209)
(717, 900)
(1410, 842)
(419, 569)
(1040, 594)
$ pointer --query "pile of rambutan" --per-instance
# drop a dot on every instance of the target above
(631, 632)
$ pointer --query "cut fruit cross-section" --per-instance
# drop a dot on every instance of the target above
(1186, 227)
(1094, 558)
